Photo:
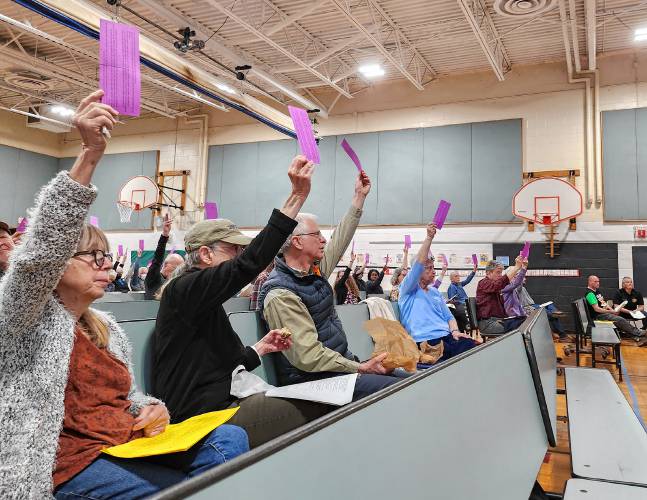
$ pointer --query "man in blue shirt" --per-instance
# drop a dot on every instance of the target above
(423, 311)
(458, 297)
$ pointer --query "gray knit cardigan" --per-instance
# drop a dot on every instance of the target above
(36, 339)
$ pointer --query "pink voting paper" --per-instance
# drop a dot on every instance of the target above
(475, 259)
(351, 154)
(120, 250)
(525, 251)
(141, 245)
(305, 135)
(441, 213)
(119, 70)
(407, 241)
(94, 221)
(210, 210)
(367, 259)
(22, 226)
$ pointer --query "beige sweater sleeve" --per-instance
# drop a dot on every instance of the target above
(283, 309)
(339, 241)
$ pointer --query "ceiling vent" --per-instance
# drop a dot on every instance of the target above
(29, 80)
(522, 8)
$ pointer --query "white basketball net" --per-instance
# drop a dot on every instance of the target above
(125, 211)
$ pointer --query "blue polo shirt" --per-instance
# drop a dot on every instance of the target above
(423, 314)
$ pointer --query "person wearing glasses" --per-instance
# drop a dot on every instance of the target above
(195, 347)
(65, 371)
(298, 296)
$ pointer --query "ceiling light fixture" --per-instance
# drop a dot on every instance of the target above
(640, 35)
(62, 110)
(225, 88)
(371, 70)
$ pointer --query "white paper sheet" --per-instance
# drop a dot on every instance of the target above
(637, 314)
(335, 390)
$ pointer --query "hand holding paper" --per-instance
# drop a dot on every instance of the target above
(475, 260)
(22, 226)
(525, 251)
(407, 241)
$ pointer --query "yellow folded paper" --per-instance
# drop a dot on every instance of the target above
(176, 437)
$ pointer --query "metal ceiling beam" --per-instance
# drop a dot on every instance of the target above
(173, 65)
(276, 46)
(324, 55)
(479, 19)
(343, 7)
(591, 34)
(295, 17)
(236, 56)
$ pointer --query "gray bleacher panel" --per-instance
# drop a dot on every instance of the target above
(540, 348)
(121, 297)
(396, 309)
(130, 310)
(608, 443)
(582, 489)
(140, 334)
(421, 438)
(352, 318)
(236, 304)
(248, 326)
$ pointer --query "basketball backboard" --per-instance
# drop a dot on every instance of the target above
(547, 201)
(139, 192)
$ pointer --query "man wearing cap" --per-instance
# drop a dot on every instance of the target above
(490, 309)
(6, 246)
(298, 296)
(195, 349)
(160, 268)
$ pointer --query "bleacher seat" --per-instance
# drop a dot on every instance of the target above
(236, 304)
(130, 310)
(352, 318)
(140, 334)
(250, 329)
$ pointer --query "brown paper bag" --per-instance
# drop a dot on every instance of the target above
(429, 354)
(391, 337)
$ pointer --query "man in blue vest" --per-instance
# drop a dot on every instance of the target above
(297, 296)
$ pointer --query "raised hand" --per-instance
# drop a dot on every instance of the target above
(166, 225)
(300, 174)
(362, 184)
(274, 341)
(90, 117)
(431, 231)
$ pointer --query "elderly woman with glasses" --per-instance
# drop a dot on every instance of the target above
(65, 373)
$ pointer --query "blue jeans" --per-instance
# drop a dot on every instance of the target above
(130, 478)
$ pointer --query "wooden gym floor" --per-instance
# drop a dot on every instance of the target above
(556, 469)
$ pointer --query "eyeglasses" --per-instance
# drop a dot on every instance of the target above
(315, 233)
(99, 256)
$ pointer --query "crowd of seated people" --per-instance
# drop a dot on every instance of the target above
(67, 368)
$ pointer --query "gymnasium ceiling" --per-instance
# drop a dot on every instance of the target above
(310, 50)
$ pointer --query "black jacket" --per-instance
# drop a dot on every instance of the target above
(154, 279)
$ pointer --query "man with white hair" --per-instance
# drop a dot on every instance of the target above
(633, 298)
(160, 269)
(298, 296)
(490, 308)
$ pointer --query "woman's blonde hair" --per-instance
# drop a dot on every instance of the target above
(92, 238)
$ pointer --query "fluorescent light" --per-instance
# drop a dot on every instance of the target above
(371, 70)
(640, 35)
(62, 110)
(225, 88)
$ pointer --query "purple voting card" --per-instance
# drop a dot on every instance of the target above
(367, 258)
(386, 259)
(94, 221)
(525, 251)
(141, 245)
(441, 213)
(22, 225)
(351, 154)
(210, 210)
(305, 135)
(120, 250)
(172, 249)
(119, 70)
(444, 259)
(407, 241)
(475, 259)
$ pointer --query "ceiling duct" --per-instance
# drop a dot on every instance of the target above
(522, 8)
(29, 80)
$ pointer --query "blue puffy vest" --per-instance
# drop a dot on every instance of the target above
(317, 295)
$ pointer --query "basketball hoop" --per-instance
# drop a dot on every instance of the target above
(125, 211)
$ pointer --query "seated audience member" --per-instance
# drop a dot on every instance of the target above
(256, 287)
(423, 311)
(457, 296)
(398, 276)
(443, 271)
(137, 274)
(634, 299)
(553, 313)
(160, 268)
(297, 296)
(112, 276)
(489, 301)
(65, 371)
(6, 247)
(346, 290)
(600, 311)
(358, 273)
(374, 283)
(195, 347)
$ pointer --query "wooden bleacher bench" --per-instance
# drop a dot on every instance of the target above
(608, 443)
